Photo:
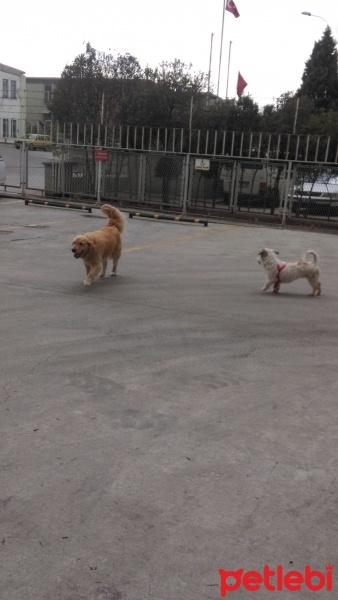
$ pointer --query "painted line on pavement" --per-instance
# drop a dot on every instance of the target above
(178, 240)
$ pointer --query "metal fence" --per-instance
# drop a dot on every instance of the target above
(224, 186)
(277, 146)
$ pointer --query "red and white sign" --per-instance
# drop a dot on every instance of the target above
(101, 154)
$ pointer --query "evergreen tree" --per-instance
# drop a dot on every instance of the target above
(320, 77)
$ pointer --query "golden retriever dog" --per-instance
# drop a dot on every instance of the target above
(97, 247)
(278, 272)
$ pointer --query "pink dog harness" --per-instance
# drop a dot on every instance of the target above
(278, 282)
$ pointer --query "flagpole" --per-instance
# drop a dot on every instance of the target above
(220, 53)
(226, 93)
(209, 72)
(296, 116)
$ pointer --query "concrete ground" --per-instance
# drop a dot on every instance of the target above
(167, 423)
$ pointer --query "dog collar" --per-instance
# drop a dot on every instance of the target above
(276, 286)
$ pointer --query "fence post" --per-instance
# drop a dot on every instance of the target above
(23, 167)
(62, 174)
(286, 193)
(141, 179)
(233, 200)
(186, 172)
(98, 181)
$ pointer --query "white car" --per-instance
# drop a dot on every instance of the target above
(254, 184)
(2, 171)
(317, 197)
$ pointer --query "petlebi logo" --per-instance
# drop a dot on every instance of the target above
(276, 580)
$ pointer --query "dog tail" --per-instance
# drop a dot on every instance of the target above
(313, 254)
(116, 218)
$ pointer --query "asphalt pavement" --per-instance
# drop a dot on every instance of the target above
(169, 422)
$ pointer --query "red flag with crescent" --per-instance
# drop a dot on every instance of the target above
(230, 6)
(241, 84)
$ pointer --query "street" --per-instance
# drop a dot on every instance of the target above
(169, 422)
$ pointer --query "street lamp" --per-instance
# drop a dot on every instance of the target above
(308, 14)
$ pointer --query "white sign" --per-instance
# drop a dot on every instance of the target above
(202, 164)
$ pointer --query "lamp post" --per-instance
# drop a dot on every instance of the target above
(308, 14)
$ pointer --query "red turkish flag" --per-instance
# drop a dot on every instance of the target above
(231, 7)
(241, 84)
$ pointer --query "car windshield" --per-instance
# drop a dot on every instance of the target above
(327, 178)
(32, 136)
(324, 181)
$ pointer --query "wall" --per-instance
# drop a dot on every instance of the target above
(12, 110)
(37, 109)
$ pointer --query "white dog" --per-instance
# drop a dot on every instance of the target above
(284, 272)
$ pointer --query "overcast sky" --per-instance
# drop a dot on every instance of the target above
(271, 40)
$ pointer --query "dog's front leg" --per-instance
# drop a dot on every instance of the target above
(267, 285)
(93, 272)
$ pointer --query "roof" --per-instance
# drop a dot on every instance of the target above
(43, 79)
(11, 70)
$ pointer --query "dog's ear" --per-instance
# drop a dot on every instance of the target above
(276, 252)
(89, 242)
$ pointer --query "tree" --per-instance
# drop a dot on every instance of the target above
(78, 95)
(244, 115)
(132, 96)
(288, 111)
(123, 67)
(166, 102)
(99, 87)
(320, 77)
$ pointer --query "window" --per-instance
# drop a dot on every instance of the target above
(5, 128)
(13, 90)
(48, 92)
(13, 128)
(5, 88)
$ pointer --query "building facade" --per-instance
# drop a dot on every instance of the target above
(12, 103)
(39, 91)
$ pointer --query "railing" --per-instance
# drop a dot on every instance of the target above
(213, 143)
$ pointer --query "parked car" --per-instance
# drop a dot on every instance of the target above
(35, 141)
(2, 171)
(317, 197)
(254, 185)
